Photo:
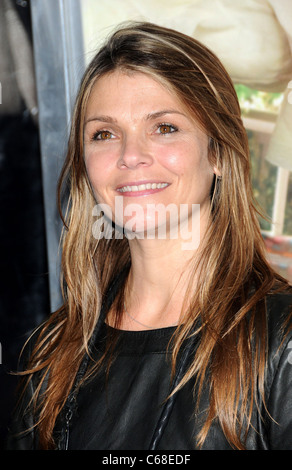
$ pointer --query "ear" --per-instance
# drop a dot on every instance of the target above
(213, 154)
(217, 172)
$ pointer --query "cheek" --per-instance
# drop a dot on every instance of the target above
(174, 158)
(96, 170)
(188, 161)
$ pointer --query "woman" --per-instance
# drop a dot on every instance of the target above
(162, 342)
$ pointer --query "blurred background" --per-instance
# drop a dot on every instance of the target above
(45, 46)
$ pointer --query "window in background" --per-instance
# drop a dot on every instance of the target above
(272, 184)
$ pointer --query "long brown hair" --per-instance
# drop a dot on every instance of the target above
(235, 275)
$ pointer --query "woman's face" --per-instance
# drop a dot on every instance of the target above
(142, 148)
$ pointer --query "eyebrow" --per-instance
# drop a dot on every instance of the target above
(148, 117)
(108, 119)
(159, 114)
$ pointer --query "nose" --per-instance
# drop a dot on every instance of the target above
(134, 153)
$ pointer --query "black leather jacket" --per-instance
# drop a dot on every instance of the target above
(173, 426)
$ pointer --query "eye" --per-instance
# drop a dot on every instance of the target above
(102, 135)
(165, 129)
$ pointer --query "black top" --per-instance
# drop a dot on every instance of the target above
(125, 407)
(121, 410)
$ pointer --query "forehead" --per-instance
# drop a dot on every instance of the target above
(130, 91)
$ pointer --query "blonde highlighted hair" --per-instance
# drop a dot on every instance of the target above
(234, 275)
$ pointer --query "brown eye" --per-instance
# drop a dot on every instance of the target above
(166, 129)
(104, 135)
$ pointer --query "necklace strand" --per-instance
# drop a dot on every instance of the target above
(134, 319)
(137, 321)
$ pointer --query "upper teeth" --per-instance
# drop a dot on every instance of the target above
(142, 187)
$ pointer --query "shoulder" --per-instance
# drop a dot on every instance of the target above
(279, 316)
(279, 370)
(279, 335)
(280, 301)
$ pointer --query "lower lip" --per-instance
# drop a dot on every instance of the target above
(144, 192)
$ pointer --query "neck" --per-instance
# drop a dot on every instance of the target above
(157, 264)
(159, 267)
(158, 280)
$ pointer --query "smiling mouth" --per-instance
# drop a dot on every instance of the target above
(142, 187)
